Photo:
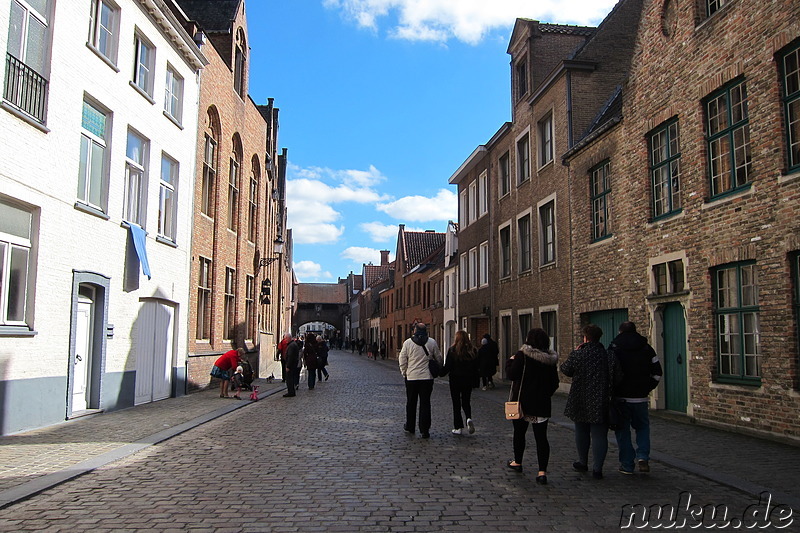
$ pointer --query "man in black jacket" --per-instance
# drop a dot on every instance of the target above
(291, 361)
(641, 373)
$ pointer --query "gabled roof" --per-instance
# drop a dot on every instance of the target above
(214, 16)
(321, 293)
(374, 274)
(418, 245)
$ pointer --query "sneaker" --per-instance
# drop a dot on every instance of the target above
(457, 431)
(580, 467)
(644, 466)
(425, 435)
(484, 388)
(407, 429)
(626, 472)
(470, 426)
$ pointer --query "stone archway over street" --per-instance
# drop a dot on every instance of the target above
(320, 302)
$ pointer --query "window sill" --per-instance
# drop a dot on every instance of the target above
(663, 219)
(735, 384)
(548, 266)
(127, 225)
(107, 60)
(601, 241)
(24, 116)
(86, 208)
(714, 16)
(790, 177)
(546, 165)
(17, 331)
(142, 92)
(747, 190)
(167, 241)
(670, 297)
(174, 120)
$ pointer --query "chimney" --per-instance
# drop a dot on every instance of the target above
(384, 257)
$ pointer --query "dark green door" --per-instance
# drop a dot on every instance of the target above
(609, 322)
(675, 358)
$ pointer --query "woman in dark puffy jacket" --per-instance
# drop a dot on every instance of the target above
(310, 350)
(461, 363)
(535, 379)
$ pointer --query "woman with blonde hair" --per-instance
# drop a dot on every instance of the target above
(461, 363)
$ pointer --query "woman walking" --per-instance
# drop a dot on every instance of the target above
(322, 358)
(310, 359)
(535, 379)
(461, 363)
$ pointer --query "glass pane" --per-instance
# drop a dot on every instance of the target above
(36, 50)
(794, 133)
(751, 334)
(660, 191)
(166, 212)
(41, 7)
(749, 286)
(741, 154)
(727, 296)
(17, 284)
(96, 184)
(791, 72)
(84, 162)
(720, 165)
(93, 120)
(717, 115)
(674, 140)
(135, 150)
(660, 275)
(729, 344)
(675, 169)
(168, 171)
(16, 30)
(658, 148)
(15, 221)
(738, 103)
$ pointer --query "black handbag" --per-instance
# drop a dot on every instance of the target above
(433, 365)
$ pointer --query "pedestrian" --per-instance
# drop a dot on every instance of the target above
(287, 338)
(413, 360)
(310, 353)
(373, 348)
(461, 363)
(383, 350)
(488, 360)
(290, 359)
(322, 358)
(534, 381)
(300, 342)
(237, 381)
(361, 346)
(592, 371)
(641, 373)
(223, 368)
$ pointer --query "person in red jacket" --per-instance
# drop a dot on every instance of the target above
(223, 369)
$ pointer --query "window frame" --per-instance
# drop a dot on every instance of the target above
(463, 272)
(550, 326)
(483, 193)
(252, 220)
(87, 167)
(250, 307)
(96, 26)
(474, 268)
(462, 208)
(483, 258)
(504, 250)
(521, 77)
(523, 151)
(209, 175)
(670, 162)
(472, 210)
(205, 284)
(548, 254)
(713, 6)
(715, 139)
(173, 94)
(546, 141)
(600, 200)
(523, 331)
(134, 201)
(524, 242)
(234, 172)
(788, 100)
(9, 243)
(739, 311)
(229, 305)
(144, 81)
(504, 166)
(168, 199)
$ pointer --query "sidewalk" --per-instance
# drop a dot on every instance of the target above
(36, 460)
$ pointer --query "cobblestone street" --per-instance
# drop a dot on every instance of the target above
(336, 459)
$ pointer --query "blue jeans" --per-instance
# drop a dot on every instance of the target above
(597, 436)
(636, 416)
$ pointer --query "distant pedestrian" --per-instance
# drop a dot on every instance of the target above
(322, 358)
(593, 373)
(461, 363)
(373, 350)
(290, 360)
(488, 361)
(382, 349)
(310, 359)
(361, 344)
(641, 373)
(223, 369)
(413, 361)
(287, 338)
(237, 381)
(534, 381)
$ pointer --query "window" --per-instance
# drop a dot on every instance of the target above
(135, 179)
(547, 219)
(240, 65)
(524, 237)
(505, 252)
(173, 95)
(523, 160)
(250, 307)
(16, 228)
(521, 71)
(505, 175)
(462, 209)
(524, 325)
(737, 315)
(463, 272)
(728, 137)
(252, 222)
(143, 65)
(92, 177)
(103, 25)
(669, 277)
(790, 75)
(483, 194)
(27, 57)
(233, 192)
(795, 265)
(204, 300)
(167, 198)
(229, 319)
(473, 202)
(550, 326)
(484, 263)
(712, 6)
(545, 128)
(209, 175)
(473, 268)
(665, 169)
(600, 194)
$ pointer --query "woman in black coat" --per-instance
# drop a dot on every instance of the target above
(535, 379)
(462, 365)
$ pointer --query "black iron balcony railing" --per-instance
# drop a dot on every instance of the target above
(25, 88)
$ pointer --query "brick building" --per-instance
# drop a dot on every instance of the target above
(240, 216)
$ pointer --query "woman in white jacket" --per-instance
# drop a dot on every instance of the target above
(413, 359)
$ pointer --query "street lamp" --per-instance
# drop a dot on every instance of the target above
(278, 249)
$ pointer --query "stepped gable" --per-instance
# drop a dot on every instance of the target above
(322, 293)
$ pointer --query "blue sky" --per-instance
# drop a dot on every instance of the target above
(381, 101)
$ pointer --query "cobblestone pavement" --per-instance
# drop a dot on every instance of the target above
(336, 459)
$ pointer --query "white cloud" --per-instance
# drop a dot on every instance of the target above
(360, 255)
(442, 207)
(380, 232)
(310, 271)
(465, 20)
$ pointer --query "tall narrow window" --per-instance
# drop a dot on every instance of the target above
(103, 24)
(16, 227)
(484, 262)
(252, 222)
(523, 160)
(521, 72)
(547, 217)
(600, 196)
(524, 237)
(545, 128)
(505, 174)
(167, 198)
(728, 137)
(462, 209)
(143, 65)
(712, 6)
(229, 320)
(240, 64)
(505, 252)
(473, 268)
(135, 178)
(736, 310)
(233, 193)
(92, 175)
(665, 169)
(790, 75)
(463, 272)
(550, 326)
(204, 300)
(250, 307)
(473, 201)
(483, 194)
(524, 325)
(795, 266)
(209, 175)
(173, 95)
(27, 57)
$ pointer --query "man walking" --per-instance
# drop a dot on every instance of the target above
(290, 361)
(641, 373)
(413, 359)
